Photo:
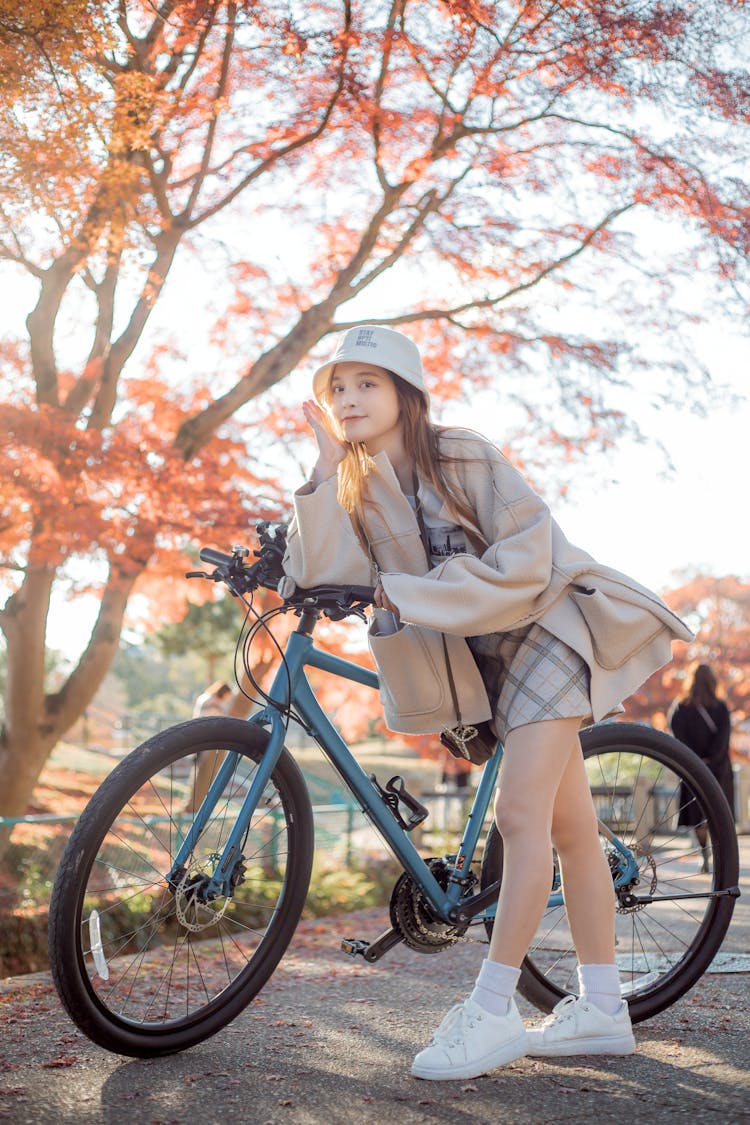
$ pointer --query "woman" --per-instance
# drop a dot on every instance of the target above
(567, 638)
(701, 721)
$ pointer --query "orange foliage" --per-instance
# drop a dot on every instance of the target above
(718, 611)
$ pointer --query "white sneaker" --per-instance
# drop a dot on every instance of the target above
(578, 1027)
(471, 1041)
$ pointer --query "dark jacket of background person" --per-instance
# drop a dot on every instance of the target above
(690, 726)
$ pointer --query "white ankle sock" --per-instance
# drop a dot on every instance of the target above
(601, 985)
(495, 986)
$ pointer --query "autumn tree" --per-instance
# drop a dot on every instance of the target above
(462, 169)
(718, 611)
(208, 628)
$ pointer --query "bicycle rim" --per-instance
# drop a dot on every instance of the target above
(154, 968)
(655, 795)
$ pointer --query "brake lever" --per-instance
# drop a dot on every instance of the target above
(343, 610)
(213, 577)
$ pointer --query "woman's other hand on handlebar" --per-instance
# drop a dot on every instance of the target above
(382, 601)
(331, 449)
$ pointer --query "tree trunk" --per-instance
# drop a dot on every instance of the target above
(208, 763)
(35, 721)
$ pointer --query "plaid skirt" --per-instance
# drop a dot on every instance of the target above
(531, 676)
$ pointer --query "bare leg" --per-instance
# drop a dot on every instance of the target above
(586, 877)
(534, 762)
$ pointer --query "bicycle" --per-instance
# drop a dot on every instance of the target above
(170, 911)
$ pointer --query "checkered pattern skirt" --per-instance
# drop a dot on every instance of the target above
(531, 676)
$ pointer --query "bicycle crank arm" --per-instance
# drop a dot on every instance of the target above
(646, 900)
(372, 951)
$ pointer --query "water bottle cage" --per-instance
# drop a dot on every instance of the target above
(395, 794)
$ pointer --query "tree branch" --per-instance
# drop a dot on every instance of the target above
(199, 48)
(493, 302)
(24, 626)
(221, 87)
(20, 258)
(397, 9)
(286, 150)
(432, 203)
(124, 345)
(81, 391)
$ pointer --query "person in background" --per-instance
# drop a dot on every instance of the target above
(213, 701)
(701, 721)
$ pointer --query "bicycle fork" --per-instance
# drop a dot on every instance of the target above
(227, 871)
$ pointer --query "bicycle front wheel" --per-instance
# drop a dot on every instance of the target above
(147, 966)
(659, 800)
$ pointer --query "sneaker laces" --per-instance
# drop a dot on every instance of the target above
(562, 1011)
(455, 1020)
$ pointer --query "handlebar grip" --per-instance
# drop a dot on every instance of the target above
(361, 593)
(217, 558)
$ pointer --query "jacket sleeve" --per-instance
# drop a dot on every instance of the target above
(468, 595)
(321, 543)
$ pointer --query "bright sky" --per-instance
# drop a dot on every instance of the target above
(652, 525)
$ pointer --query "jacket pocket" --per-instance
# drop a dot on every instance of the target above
(619, 628)
(410, 682)
(414, 682)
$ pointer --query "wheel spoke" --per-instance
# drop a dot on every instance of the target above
(178, 964)
(648, 791)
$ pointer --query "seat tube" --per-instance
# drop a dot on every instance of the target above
(477, 816)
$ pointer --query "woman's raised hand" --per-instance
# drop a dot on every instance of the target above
(331, 449)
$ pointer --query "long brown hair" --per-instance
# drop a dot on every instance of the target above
(422, 439)
(702, 690)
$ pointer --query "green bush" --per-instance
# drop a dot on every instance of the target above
(339, 890)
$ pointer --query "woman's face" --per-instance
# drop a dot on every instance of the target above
(365, 404)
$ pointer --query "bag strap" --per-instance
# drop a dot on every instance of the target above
(428, 552)
(707, 718)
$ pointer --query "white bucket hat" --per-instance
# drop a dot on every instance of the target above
(383, 347)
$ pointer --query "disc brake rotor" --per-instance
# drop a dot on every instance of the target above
(193, 914)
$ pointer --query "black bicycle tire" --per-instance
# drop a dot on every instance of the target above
(533, 985)
(66, 958)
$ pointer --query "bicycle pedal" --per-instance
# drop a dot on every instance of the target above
(354, 946)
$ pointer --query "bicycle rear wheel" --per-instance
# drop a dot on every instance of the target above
(642, 782)
(144, 967)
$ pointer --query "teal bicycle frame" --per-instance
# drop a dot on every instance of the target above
(292, 688)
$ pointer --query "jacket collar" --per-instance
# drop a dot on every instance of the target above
(390, 480)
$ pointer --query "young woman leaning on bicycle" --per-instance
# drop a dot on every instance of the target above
(456, 542)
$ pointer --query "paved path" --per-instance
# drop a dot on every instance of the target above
(330, 1040)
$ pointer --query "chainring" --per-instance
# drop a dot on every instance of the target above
(413, 918)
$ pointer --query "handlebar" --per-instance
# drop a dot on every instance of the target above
(335, 601)
(216, 558)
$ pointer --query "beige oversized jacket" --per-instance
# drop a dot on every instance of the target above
(529, 572)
